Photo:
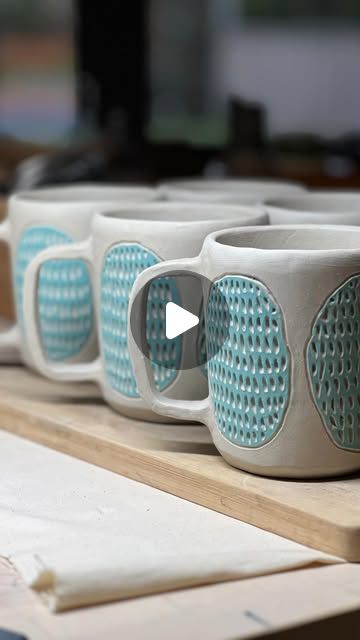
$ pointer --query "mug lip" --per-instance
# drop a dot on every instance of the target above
(78, 194)
(228, 184)
(323, 202)
(167, 212)
(348, 230)
(214, 196)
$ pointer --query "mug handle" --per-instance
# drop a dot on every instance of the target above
(10, 338)
(63, 372)
(173, 408)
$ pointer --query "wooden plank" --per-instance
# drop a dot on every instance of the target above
(181, 460)
(240, 609)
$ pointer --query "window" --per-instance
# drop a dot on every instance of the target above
(37, 94)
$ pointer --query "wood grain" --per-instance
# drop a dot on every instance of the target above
(181, 460)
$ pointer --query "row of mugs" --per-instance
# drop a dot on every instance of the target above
(46, 217)
(282, 386)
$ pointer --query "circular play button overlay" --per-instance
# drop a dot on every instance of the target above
(178, 320)
(171, 312)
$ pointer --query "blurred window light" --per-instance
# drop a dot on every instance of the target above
(298, 59)
(297, 9)
(37, 77)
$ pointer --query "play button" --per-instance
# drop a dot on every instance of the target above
(172, 333)
(178, 320)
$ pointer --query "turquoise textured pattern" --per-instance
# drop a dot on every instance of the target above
(333, 364)
(65, 308)
(249, 367)
(121, 266)
(201, 343)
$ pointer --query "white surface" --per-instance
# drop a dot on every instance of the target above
(82, 535)
(178, 320)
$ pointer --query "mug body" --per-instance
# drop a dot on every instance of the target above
(124, 244)
(41, 218)
(284, 385)
(316, 207)
(233, 191)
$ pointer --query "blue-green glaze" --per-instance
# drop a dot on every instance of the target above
(121, 266)
(249, 365)
(201, 343)
(65, 308)
(333, 364)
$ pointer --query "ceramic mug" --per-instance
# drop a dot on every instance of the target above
(38, 219)
(121, 245)
(315, 207)
(284, 348)
(230, 190)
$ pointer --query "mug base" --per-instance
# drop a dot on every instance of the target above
(143, 414)
(292, 472)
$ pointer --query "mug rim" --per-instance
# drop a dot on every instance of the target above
(325, 202)
(228, 184)
(349, 231)
(191, 213)
(215, 196)
(79, 193)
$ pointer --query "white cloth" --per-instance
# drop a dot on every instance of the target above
(82, 535)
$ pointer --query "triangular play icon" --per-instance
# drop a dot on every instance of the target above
(178, 320)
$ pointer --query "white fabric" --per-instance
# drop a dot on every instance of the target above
(83, 535)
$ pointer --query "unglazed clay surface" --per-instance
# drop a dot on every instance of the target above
(259, 378)
(315, 207)
(65, 308)
(333, 362)
(249, 376)
(121, 266)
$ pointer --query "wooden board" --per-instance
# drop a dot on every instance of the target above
(181, 460)
(321, 602)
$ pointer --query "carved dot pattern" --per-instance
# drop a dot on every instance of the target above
(249, 371)
(121, 266)
(65, 307)
(201, 343)
(333, 363)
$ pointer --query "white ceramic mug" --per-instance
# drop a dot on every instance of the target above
(121, 245)
(38, 219)
(284, 348)
(315, 207)
(230, 190)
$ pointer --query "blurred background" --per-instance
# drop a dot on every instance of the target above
(150, 89)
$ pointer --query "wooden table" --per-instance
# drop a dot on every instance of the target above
(179, 459)
(311, 603)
